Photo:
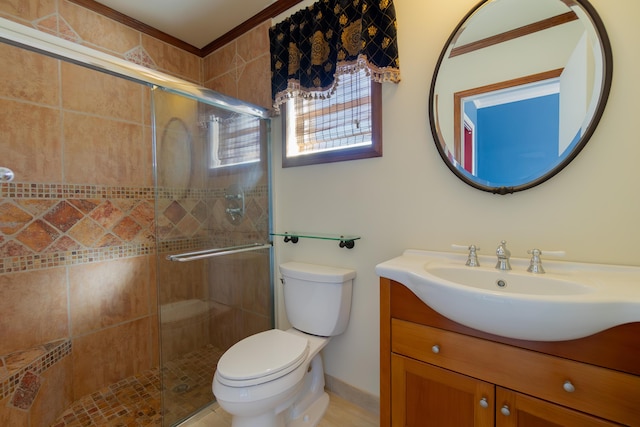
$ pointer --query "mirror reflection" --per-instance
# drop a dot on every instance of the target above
(518, 90)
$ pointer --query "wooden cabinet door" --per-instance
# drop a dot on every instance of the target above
(519, 410)
(424, 395)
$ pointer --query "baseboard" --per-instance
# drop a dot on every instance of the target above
(366, 401)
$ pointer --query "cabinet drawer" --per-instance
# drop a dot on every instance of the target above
(602, 392)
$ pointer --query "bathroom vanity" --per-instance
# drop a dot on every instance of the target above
(437, 372)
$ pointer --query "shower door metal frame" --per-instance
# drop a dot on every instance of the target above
(31, 39)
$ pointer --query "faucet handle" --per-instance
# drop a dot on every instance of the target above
(502, 251)
(535, 266)
(472, 259)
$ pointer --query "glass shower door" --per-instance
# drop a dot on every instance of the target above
(212, 228)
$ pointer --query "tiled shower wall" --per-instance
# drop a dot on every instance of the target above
(77, 248)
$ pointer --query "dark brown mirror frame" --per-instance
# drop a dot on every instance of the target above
(603, 97)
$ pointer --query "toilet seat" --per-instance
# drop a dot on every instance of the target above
(262, 357)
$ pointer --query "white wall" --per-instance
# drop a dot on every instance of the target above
(409, 199)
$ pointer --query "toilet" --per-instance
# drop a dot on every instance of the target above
(276, 378)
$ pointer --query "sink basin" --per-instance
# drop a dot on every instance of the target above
(509, 282)
(570, 301)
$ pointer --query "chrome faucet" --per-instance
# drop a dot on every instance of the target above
(472, 259)
(535, 265)
(503, 256)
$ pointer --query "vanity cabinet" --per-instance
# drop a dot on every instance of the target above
(435, 372)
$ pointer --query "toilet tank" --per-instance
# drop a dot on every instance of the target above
(317, 298)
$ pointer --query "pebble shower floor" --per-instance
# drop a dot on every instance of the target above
(135, 401)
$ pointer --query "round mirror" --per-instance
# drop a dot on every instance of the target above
(518, 90)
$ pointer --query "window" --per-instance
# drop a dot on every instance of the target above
(233, 141)
(345, 126)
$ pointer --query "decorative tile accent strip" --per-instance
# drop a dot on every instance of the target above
(82, 191)
(35, 361)
(60, 259)
(56, 25)
(31, 190)
(140, 56)
(171, 246)
(27, 391)
(52, 225)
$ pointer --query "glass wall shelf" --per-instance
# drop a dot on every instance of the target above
(345, 241)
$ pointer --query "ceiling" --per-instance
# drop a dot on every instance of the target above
(195, 22)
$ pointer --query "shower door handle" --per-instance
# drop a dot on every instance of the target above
(209, 253)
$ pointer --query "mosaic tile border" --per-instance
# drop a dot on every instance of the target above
(61, 259)
(54, 352)
(30, 190)
(171, 246)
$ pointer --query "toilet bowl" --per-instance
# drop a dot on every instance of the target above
(276, 378)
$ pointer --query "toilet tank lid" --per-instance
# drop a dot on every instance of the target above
(316, 273)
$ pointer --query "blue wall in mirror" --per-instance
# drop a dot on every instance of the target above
(518, 141)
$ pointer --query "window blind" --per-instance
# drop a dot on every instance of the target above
(341, 121)
(233, 140)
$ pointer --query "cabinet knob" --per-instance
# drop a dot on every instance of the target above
(436, 349)
(505, 410)
(568, 387)
(484, 403)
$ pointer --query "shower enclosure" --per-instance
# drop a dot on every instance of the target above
(212, 219)
(110, 248)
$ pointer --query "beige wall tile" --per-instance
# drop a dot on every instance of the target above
(28, 9)
(99, 30)
(173, 60)
(28, 76)
(90, 91)
(254, 84)
(30, 141)
(153, 288)
(225, 280)
(147, 135)
(184, 336)
(226, 327)
(107, 356)
(180, 281)
(146, 105)
(254, 43)
(13, 417)
(104, 152)
(107, 293)
(225, 84)
(154, 338)
(34, 309)
(253, 323)
(55, 394)
(256, 289)
(220, 62)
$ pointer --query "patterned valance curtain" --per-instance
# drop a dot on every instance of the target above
(313, 47)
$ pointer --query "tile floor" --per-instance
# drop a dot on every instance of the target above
(341, 413)
(135, 401)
